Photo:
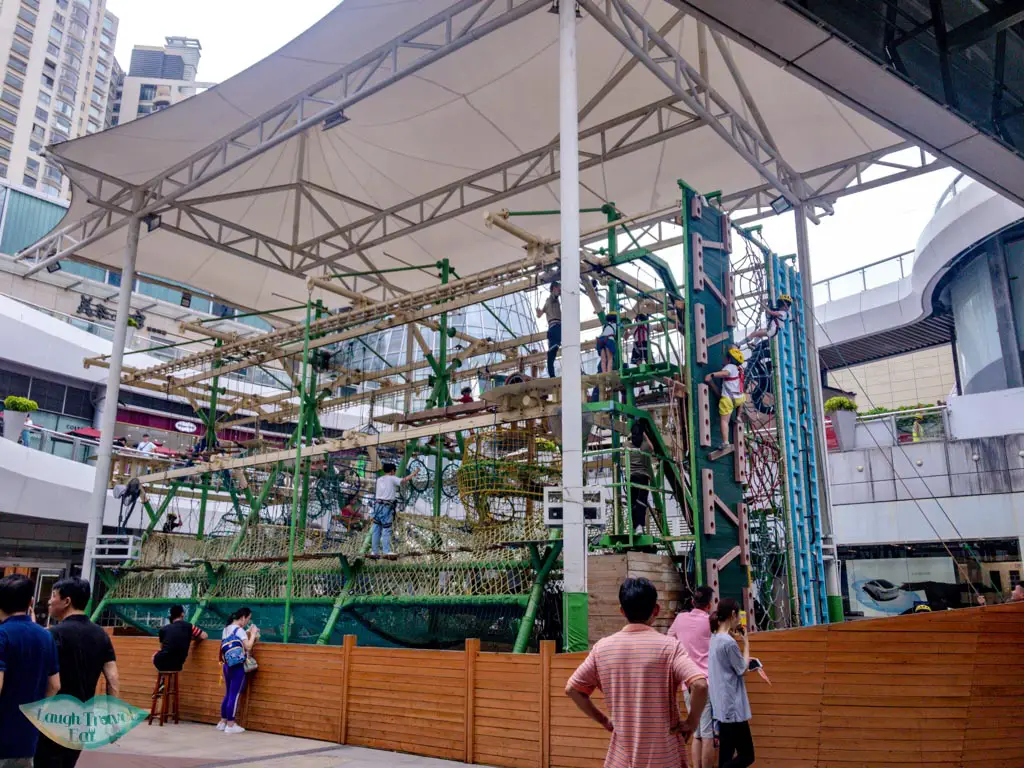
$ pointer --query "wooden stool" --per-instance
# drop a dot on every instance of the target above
(166, 688)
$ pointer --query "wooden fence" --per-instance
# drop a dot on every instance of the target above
(941, 689)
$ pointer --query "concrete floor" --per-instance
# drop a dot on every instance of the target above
(190, 745)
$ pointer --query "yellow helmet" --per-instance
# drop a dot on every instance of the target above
(736, 355)
(786, 298)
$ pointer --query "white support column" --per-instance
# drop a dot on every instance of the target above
(803, 253)
(574, 533)
(98, 500)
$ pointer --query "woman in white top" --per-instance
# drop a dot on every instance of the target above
(235, 644)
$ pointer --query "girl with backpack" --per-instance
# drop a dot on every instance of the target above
(235, 645)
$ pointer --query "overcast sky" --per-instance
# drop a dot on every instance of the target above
(234, 33)
(237, 33)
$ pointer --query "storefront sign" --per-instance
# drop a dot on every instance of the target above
(185, 426)
(89, 725)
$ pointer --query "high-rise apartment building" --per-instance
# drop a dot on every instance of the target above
(58, 56)
(156, 78)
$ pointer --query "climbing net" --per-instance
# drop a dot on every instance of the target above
(504, 472)
(764, 491)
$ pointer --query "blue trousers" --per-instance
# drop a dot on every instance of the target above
(234, 682)
(383, 520)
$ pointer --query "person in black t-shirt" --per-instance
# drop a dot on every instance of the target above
(175, 641)
(84, 652)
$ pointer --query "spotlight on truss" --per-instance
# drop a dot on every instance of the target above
(780, 204)
(152, 221)
(335, 119)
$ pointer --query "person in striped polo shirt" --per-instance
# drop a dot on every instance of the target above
(640, 672)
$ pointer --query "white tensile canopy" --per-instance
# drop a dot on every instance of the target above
(449, 110)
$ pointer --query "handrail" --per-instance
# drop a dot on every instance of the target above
(949, 192)
(862, 271)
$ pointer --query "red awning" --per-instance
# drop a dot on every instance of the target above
(165, 451)
(86, 432)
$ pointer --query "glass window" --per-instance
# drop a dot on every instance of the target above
(145, 109)
(159, 292)
(17, 65)
(76, 47)
(5, 152)
(92, 127)
(14, 81)
(108, 24)
(9, 116)
(94, 112)
(46, 80)
(32, 166)
(53, 50)
(107, 39)
(14, 383)
(101, 68)
(78, 30)
(44, 99)
(42, 114)
(97, 97)
(19, 47)
(49, 189)
(6, 134)
(84, 270)
(34, 146)
(978, 348)
(29, 181)
(58, 19)
(49, 395)
(11, 98)
(33, 4)
(3, 171)
(56, 35)
(38, 131)
(64, 108)
(27, 16)
(53, 173)
(147, 92)
(78, 403)
(62, 124)
(22, 32)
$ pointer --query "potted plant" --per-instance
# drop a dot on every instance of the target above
(129, 334)
(16, 411)
(843, 413)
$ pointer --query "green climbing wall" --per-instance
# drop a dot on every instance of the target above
(721, 560)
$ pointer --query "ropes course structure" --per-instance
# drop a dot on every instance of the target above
(275, 504)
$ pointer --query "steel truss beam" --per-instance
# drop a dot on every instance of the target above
(443, 33)
(632, 30)
(831, 182)
(609, 140)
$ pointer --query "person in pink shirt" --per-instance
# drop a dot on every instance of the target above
(640, 672)
(693, 631)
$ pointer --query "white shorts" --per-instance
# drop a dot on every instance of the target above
(705, 729)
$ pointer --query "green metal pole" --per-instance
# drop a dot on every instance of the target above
(339, 602)
(444, 395)
(295, 478)
(536, 595)
(203, 497)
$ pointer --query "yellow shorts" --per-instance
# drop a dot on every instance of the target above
(727, 405)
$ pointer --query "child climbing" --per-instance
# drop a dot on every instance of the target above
(777, 317)
(733, 394)
(641, 334)
(606, 346)
(552, 308)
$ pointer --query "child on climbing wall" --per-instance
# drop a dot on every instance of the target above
(777, 317)
(733, 392)
(641, 334)
(606, 343)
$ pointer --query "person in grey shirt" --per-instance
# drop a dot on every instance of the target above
(727, 689)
